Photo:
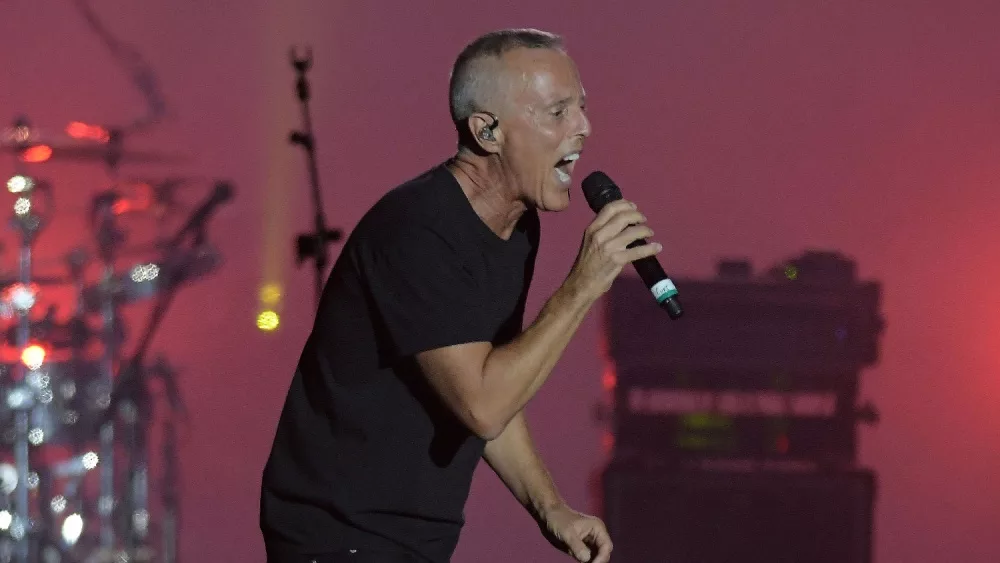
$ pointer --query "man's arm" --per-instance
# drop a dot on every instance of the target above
(514, 459)
(485, 386)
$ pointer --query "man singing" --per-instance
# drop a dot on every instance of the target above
(418, 364)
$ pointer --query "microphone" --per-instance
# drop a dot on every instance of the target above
(221, 193)
(600, 190)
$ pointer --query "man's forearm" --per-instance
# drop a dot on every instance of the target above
(486, 386)
(513, 373)
(513, 457)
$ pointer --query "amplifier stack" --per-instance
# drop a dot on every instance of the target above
(734, 428)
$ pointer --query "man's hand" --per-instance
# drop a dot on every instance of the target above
(604, 250)
(582, 536)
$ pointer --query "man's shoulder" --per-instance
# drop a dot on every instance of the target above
(416, 198)
(411, 209)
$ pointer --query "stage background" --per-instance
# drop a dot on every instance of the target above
(754, 129)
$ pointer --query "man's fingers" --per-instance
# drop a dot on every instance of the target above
(641, 251)
(630, 235)
(609, 211)
(618, 224)
(604, 546)
(578, 549)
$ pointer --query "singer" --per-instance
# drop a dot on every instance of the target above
(418, 364)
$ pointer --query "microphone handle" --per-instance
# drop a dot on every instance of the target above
(658, 283)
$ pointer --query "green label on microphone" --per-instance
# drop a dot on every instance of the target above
(663, 290)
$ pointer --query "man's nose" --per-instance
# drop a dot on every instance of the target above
(584, 125)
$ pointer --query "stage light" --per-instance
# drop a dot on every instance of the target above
(17, 529)
(139, 197)
(20, 184)
(22, 206)
(144, 272)
(268, 321)
(609, 379)
(19, 397)
(5, 519)
(140, 521)
(58, 504)
(33, 356)
(36, 154)
(36, 436)
(8, 478)
(19, 134)
(80, 130)
(270, 293)
(72, 527)
(90, 460)
(21, 297)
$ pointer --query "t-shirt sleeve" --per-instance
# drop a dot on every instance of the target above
(423, 294)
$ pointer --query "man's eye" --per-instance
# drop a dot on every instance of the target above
(559, 112)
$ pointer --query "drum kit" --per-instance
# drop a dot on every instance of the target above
(80, 419)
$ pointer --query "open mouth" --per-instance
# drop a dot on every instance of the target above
(564, 168)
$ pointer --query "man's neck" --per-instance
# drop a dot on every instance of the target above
(489, 191)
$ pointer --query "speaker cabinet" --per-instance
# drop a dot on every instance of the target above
(681, 516)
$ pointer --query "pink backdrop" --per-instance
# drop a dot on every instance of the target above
(752, 129)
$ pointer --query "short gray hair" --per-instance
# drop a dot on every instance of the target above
(467, 81)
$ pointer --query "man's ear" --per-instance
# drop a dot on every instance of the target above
(484, 131)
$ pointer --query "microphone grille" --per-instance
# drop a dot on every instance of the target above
(599, 190)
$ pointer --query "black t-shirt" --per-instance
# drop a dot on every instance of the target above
(366, 456)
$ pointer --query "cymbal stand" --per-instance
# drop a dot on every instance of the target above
(311, 245)
(170, 476)
(134, 386)
(109, 238)
(136, 412)
(76, 262)
(131, 391)
(170, 496)
(22, 398)
(133, 511)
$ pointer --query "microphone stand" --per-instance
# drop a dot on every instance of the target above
(311, 245)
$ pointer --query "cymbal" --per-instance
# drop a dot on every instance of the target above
(92, 152)
(36, 147)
